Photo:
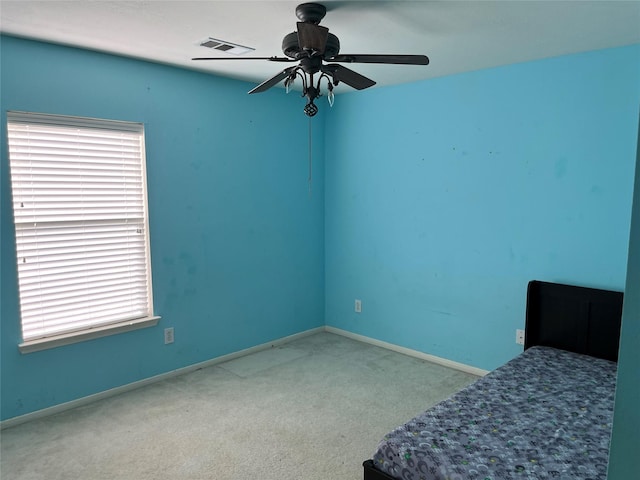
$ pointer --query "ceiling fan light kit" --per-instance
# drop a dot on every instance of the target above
(311, 46)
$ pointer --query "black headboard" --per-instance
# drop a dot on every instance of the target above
(578, 319)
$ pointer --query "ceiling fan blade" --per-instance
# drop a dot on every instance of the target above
(393, 59)
(345, 75)
(266, 85)
(271, 59)
(312, 37)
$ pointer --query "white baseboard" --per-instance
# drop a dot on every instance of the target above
(45, 412)
(407, 351)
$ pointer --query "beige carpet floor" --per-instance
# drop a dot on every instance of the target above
(312, 409)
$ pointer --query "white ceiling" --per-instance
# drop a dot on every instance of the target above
(457, 36)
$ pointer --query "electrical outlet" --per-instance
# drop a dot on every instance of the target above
(358, 306)
(520, 337)
(168, 335)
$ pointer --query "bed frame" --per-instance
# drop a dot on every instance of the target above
(578, 319)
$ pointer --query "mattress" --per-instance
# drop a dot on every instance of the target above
(546, 414)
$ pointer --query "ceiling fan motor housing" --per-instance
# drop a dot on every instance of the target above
(291, 47)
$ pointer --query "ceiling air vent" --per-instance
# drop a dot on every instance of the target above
(226, 47)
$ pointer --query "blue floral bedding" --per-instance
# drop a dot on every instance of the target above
(546, 414)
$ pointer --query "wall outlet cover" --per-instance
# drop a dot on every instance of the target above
(358, 306)
(168, 335)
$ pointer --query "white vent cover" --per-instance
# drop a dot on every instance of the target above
(226, 47)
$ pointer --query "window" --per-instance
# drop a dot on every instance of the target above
(82, 243)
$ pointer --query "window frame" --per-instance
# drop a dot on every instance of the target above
(96, 329)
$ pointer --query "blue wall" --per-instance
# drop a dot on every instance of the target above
(623, 462)
(449, 195)
(237, 243)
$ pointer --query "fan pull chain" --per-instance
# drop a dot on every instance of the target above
(310, 157)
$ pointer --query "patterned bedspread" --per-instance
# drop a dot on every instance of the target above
(546, 414)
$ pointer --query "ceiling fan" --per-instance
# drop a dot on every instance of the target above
(311, 46)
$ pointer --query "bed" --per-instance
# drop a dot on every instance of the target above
(546, 414)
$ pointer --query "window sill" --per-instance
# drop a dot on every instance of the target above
(82, 336)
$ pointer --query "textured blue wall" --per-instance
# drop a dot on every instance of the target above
(236, 240)
(449, 195)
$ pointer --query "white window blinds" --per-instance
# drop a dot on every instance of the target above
(79, 202)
